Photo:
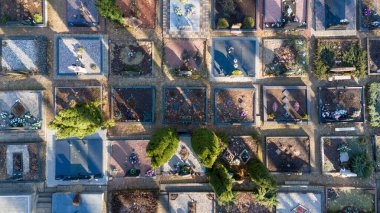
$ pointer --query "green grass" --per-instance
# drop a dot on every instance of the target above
(359, 198)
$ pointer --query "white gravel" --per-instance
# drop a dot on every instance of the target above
(24, 54)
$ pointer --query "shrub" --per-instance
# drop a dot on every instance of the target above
(237, 72)
(266, 190)
(356, 56)
(248, 23)
(162, 146)
(260, 174)
(221, 183)
(373, 104)
(222, 23)
(79, 121)
(38, 18)
(266, 197)
(4, 19)
(109, 10)
(362, 165)
(206, 145)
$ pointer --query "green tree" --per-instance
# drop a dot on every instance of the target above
(221, 183)
(162, 146)
(266, 191)
(206, 145)
(79, 121)
(109, 10)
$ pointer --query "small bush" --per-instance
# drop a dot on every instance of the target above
(4, 19)
(222, 23)
(362, 165)
(109, 10)
(266, 197)
(248, 23)
(206, 145)
(221, 183)
(162, 146)
(38, 18)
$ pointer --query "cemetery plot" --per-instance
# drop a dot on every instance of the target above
(338, 152)
(340, 57)
(289, 14)
(335, 15)
(133, 104)
(185, 162)
(24, 55)
(239, 151)
(234, 56)
(21, 110)
(185, 58)
(82, 13)
(288, 154)
(285, 57)
(132, 58)
(66, 97)
(341, 104)
(138, 13)
(350, 200)
(185, 105)
(369, 14)
(129, 159)
(19, 162)
(235, 106)
(185, 15)
(288, 104)
(22, 12)
(142, 201)
(235, 14)
(79, 55)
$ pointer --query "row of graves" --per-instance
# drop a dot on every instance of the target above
(232, 57)
(192, 16)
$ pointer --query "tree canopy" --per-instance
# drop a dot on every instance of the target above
(162, 146)
(206, 145)
(79, 121)
(221, 183)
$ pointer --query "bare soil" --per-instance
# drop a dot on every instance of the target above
(235, 105)
(19, 10)
(134, 202)
(185, 105)
(245, 203)
(132, 104)
(288, 154)
(3, 161)
(142, 10)
(276, 110)
(69, 97)
(33, 173)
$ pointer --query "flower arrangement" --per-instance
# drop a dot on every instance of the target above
(178, 11)
(190, 10)
(183, 1)
(237, 72)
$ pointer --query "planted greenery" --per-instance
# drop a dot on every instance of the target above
(266, 191)
(162, 146)
(109, 10)
(373, 104)
(222, 23)
(206, 145)
(79, 121)
(362, 165)
(221, 183)
(337, 53)
(248, 23)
